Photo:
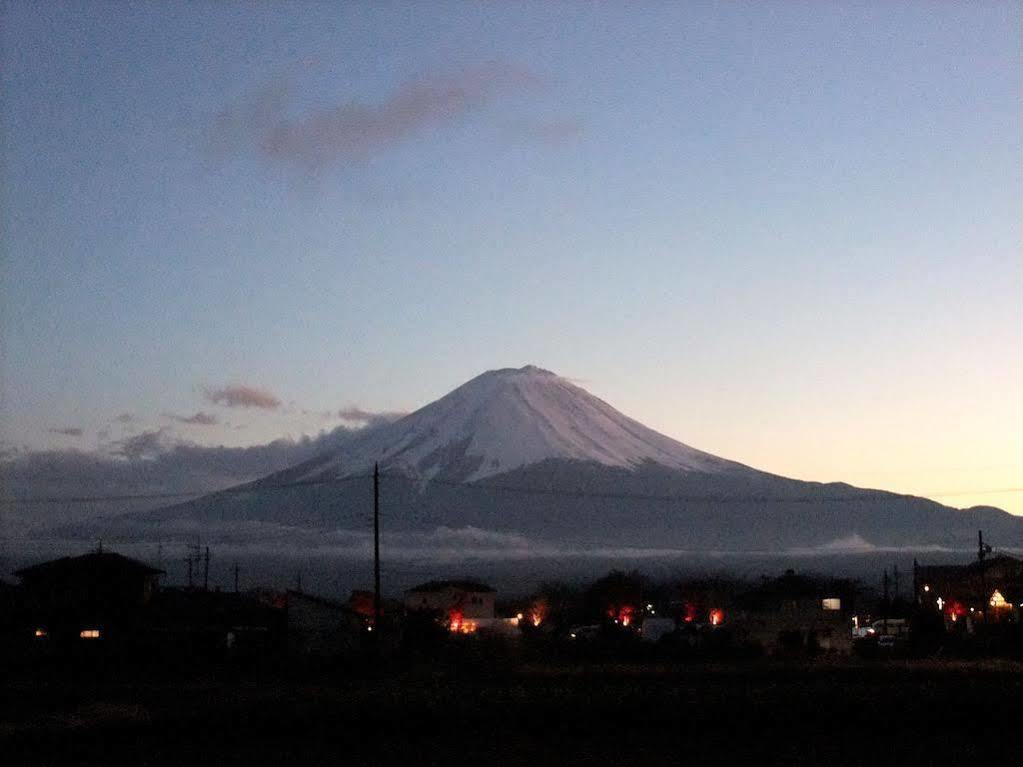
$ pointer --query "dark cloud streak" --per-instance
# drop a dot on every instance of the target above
(240, 395)
(351, 131)
(199, 419)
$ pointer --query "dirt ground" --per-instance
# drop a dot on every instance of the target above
(759, 712)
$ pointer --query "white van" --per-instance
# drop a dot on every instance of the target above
(896, 627)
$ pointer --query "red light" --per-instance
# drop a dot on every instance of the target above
(455, 621)
(622, 614)
(716, 617)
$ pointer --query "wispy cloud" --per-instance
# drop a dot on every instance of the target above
(66, 431)
(239, 395)
(349, 130)
(199, 419)
(354, 414)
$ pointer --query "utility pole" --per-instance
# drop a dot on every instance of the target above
(189, 560)
(206, 570)
(983, 549)
(896, 575)
(884, 604)
(235, 577)
(376, 547)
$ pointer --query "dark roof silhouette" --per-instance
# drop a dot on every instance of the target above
(972, 568)
(465, 585)
(96, 563)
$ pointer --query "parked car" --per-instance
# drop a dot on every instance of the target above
(891, 626)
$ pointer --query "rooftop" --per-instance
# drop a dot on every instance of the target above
(97, 562)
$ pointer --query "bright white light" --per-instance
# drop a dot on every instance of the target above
(927, 588)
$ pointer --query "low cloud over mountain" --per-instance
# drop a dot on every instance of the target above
(151, 462)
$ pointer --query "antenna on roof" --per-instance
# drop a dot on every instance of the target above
(99, 547)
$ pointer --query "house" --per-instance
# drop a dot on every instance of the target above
(464, 605)
(96, 596)
(321, 628)
(796, 613)
(990, 590)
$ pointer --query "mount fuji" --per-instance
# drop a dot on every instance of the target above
(508, 419)
(528, 455)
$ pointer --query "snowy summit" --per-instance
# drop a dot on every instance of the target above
(510, 418)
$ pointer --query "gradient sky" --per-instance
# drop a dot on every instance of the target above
(787, 233)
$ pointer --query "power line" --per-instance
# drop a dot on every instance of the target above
(522, 490)
(242, 490)
(992, 491)
(582, 494)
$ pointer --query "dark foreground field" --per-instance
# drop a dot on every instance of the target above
(757, 712)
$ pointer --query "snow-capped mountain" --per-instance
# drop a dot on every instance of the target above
(523, 452)
(508, 419)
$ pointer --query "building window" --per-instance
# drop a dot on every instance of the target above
(89, 634)
(831, 603)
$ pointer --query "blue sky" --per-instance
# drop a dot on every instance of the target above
(787, 233)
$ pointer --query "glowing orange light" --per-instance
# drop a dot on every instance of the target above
(89, 634)
(539, 610)
(998, 601)
(954, 609)
(40, 633)
(716, 617)
(455, 621)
